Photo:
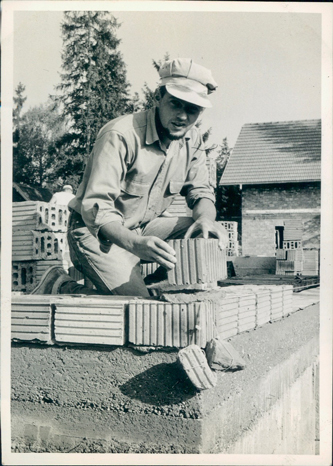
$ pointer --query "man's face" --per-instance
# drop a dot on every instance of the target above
(177, 116)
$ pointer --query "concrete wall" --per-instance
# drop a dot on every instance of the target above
(117, 399)
(267, 206)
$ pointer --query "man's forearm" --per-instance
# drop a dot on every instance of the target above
(116, 233)
(149, 248)
(204, 208)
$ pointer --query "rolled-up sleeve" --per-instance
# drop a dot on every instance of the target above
(105, 171)
(197, 181)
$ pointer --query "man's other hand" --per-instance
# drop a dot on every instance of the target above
(206, 228)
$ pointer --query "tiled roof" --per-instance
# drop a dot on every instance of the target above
(279, 152)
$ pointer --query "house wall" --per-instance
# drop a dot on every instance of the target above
(266, 206)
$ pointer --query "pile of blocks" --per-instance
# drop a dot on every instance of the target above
(38, 241)
(293, 259)
(233, 244)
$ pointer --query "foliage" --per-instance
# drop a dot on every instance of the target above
(35, 150)
(19, 100)
(93, 88)
(149, 95)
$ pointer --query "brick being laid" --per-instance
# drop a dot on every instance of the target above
(91, 320)
(31, 318)
(199, 260)
(158, 323)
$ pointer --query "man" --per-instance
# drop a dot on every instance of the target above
(138, 165)
(63, 197)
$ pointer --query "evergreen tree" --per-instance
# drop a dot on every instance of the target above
(93, 88)
(19, 100)
(149, 95)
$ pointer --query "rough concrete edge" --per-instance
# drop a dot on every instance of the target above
(268, 394)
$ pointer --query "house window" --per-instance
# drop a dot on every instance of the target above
(279, 237)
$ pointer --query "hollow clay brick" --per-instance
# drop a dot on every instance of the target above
(94, 320)
(31, 318)
(156, 323)
(198, 261)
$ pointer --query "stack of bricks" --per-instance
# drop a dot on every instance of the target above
(177, 321)
(289, 260)
(233, 245)
(38, 241)
(310, 262)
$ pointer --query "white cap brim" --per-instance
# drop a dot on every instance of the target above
(188, 90)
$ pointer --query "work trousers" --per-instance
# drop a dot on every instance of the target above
(116, 271)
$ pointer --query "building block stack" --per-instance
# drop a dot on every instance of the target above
(38, 241)
(293, 259)
(233, 244)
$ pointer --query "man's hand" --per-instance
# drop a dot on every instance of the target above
(154, 249)
(209, 227)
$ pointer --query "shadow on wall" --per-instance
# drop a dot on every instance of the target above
(163, 384)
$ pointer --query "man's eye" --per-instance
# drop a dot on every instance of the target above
(192, 110)
(175, 103)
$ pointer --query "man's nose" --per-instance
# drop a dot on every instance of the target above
(182, 115)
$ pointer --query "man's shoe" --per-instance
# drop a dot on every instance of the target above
(51, 281)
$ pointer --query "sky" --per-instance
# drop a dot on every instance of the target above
(267, 65)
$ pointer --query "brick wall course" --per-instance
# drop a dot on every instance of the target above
(291, 196)
(258, 230)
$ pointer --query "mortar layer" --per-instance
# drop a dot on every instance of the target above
(119, 394)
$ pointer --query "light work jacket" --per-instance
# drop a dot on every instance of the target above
(131, 178)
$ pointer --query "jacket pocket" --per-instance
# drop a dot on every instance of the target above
(130, 201)
(175, 186)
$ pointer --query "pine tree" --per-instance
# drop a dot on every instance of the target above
(19, 99)
(93, 84)
(149, 95)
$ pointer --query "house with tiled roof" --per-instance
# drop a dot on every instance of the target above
(277, 166)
